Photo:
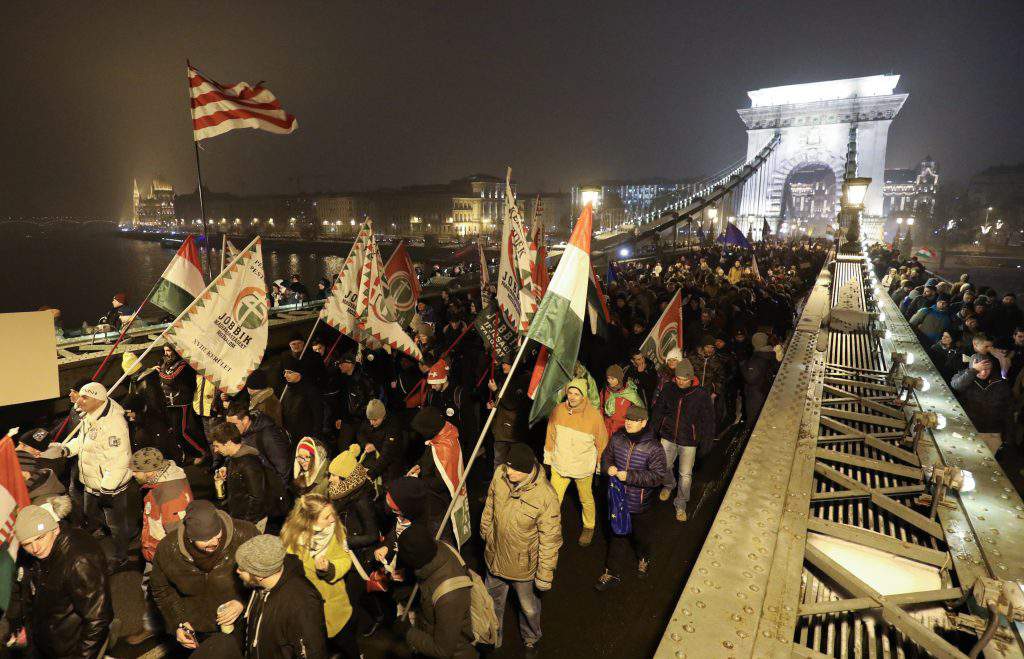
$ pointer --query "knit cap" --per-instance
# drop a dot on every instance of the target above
(32, 522)
(521, 458)
(256, 380)
(291, 363)
(438, 373)
(684, 369)
(201, 521)
(636, 413)
(615, 371)
(261, 556)
(94, 390)
(674, 353)
(428, 422)
(416, 546)
(148, 459)
(375, 410)
(345, 463)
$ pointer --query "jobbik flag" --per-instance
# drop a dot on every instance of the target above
(223, 333)
(405, 287)
(360, 304)
(182, 280)
(515, 289)
(558, 323)
(667, 333)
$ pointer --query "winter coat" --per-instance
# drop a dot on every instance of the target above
(303, 411)
(931, 322)
(444, 629)
(757, 374)
(388, 440)
(947, 360)
(330, 583)
(176, 383)
(286, 621)
(245, 485)
(521, 525)
(185, 593)
(684, 416)
(710, 372)
(104, 450)
(67, 598)
(646, 383)
(615, 404)
(316, 482)
(987, 402)
(643, 460)
(266, 403)
(360, 519)
(575, 440)
(163, 507)
(272, 443)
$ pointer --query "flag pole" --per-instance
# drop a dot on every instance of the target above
(461, 492)
(160, 337)
(223, 249)
(199, 172)
(302, 354)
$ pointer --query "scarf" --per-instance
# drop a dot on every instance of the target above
(319, 541)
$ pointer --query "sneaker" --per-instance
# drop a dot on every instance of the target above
(586, 537)
(606, 581)
(642, 566)
(680, 515)
(665, 494)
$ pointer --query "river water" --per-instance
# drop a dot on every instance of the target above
(79, 271)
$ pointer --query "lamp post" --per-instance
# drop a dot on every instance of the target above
(712, 213)
(855, 188)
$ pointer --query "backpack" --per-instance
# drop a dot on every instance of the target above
(481, 604)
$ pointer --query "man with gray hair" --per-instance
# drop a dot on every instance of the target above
(285, 615)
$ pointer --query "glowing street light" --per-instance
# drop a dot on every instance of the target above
(854, 191)
(591, 196)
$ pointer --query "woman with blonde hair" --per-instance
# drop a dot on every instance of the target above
(316, 537)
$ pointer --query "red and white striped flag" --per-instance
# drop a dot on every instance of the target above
(218, 108)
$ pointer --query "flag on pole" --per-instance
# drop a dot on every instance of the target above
(218, 108)
(447, 454)
(515, 292)
(733, 236)
(597, 307)
(405, 287)
(223, 333)
(667, 333)
(538, 255)
(13, 497)
(340, 308)
(753, 267)
(182, 280)
(375, 307)
(231, 249)
(558, 323)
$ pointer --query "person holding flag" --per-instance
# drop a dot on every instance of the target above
(441, 467)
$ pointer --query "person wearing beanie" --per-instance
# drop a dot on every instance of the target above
(683, 419)
(441, 465)
(443, 626)
(521, 526)
(262, 398)
(635, 459)
(986, 397)
(352, 493)
(666, 372)
(757, 373)
(66, 585)
(710, 371)
(166, 495)
(193, 581)
(285, 615)
(302, 407)
(575, 439)
(381, 438)
(120, 312)
(459, 404)
(104, 452)
(309, 469)
(931, 321)
(617, 397)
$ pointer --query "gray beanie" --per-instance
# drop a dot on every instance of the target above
(261, 556)
(684, 369)
(375, 410)
(32, 522)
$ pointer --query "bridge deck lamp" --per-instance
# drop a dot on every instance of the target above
(944, 478)
(854, 191)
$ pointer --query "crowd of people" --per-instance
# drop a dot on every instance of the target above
(974, 336)
(296, 518)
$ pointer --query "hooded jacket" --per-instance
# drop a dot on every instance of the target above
(931, 322)
(104, 450)
(185, 593)
(286, 621)
(987, 402)
(643, 460)
(521, 525)
(615, 404)
(271, 442)
(575, 437)
(245, 485)
(68, 604)
(163, 507)
(443, 629)
(316, 481)
(266, 403)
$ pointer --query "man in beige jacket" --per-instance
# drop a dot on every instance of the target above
(522, 527)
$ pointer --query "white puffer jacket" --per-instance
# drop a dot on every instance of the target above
(103, 449)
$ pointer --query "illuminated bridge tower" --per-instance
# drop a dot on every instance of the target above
(814, 120)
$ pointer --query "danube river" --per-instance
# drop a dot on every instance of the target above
(79, 271)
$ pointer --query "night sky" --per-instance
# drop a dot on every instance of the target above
(396, 93)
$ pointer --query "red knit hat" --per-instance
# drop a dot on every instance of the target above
(438, 373)
(121, 298)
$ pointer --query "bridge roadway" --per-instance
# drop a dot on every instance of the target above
(823, 545)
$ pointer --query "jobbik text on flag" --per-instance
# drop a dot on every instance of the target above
(515, 292)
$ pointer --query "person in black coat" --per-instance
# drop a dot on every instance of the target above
(383, 441)
(259, 432)
(644, 375)
(757, 374)
(946, 355)
(243, 479)
(64, 593)
(985, 395)
(301, 405)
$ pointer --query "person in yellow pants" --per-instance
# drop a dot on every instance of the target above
(576, 438)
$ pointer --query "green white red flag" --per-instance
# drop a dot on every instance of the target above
(181, 281)
(405, 287)
(515, 293)
(558, 323)
(223, 333)
(13, 497)
(667, 333)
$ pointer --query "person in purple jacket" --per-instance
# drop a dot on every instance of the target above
(635, 457)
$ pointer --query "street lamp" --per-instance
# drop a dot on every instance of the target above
(712, 213)
(854, 191)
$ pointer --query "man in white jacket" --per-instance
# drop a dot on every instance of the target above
(104, 456)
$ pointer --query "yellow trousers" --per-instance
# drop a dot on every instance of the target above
(583, 488)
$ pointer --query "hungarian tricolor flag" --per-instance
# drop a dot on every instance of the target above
(182, 280)
(667, 333)
(405, 287)
(13, 497)
(558, 322)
